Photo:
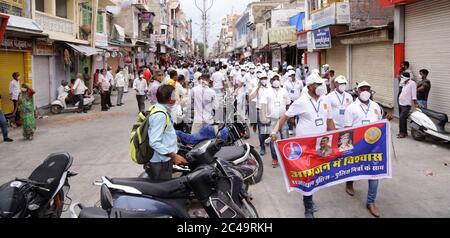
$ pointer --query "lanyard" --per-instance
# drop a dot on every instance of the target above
(341, 102)
(315, 109)
(368, 109)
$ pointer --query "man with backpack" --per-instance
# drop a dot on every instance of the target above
(158, 150)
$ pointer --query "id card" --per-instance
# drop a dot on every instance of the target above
(365, 122)
(341, 111)
(292, 91)
(319, 122)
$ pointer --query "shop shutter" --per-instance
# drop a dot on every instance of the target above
(10, 62)
(313, 61)
(427, 34)
(337, 57)
(374, 63)
(41, 80)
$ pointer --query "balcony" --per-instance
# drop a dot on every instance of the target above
(336, 13)
(54, 23)
(141, 4)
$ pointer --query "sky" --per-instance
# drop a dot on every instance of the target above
(217, 12)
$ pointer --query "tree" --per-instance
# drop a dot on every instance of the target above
(199, 49)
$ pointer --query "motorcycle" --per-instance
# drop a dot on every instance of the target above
(217, 186)
(42, 194)
(424, 122)
(59, 105)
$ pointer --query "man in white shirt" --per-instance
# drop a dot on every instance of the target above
(339, 101)
(407, 99)
(79, 89)
(241, 84)
(315, 117)
(293, 86)
(361, 112)
(273, 106)
(204, 101)
(110, 79)
(218, 80)
(14, 92)
(120, 85)
(140, 86)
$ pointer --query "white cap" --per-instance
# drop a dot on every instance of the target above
(262, 75)
(290, 67)
(341, 79)
(326, 66)
(364, 84)
(275, 69)
(266, 65)
(236, 64)
(314, 78)
(252, 66)
(290, 73)
(275, 75)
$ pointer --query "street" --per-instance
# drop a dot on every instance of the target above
(99, 142)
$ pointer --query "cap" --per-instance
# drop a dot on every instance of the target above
(262, 75)
(290, 73)
(266, 65)
(275, 75)
(275, 69)
(314, 78)
(364, 84)
(341, 79)
(290, 67)
(236, 64)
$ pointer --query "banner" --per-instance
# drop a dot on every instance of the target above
(312, 163)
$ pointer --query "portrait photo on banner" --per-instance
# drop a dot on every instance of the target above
(323, 146)
(345, 142)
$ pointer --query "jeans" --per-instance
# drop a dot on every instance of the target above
(80, 99)
(16, 105)
(103, 100)
(159, 171)
(404, 113)
(263, 133)
(372, 191)
(141, 102)
(3, 125)
(284, 134)
(119, 95)
(308, 203)
(423, 103)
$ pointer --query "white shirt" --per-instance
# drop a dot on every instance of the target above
(185, 72)
(140, 85)
(234, 74)
(79, 87)
(409, 93)
(339, 103)
(312, 114)
(293, 88)
(14, 89)
(104, 82)
(260, 96)
(218, 80)
(276, 100)
(204, 99)
(110, 77)
(120, 80)
(358, 113)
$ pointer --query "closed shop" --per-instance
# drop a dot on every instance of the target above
(373, 63)
(42, 84)
(313, 60)
(427, 34)
(14, 61)
(336, 57)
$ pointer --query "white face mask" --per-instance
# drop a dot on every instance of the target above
(321, 90)
(364, 96)
(342, 87)
(267, 69)
(263, 82)
(276, 84)
(242, 73)
(252, 71)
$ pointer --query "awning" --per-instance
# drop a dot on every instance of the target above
(120, 31)
(85, 50)
(24, 25)
(297, 21)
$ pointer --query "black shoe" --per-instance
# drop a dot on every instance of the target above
(111, 106)
(8, 140)
(85, 111)
(104, 110)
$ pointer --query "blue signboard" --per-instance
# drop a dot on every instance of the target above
(322, 38)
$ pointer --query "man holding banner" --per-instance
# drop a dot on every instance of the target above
(315, 117)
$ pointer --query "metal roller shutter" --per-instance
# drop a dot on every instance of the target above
(374, 63)
(10, 62)
(41, 80)
(313, 61)
(427, 34)
(337, 57)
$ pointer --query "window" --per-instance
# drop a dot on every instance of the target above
(86, 15)
(100, 26)
(40, 5)
(61, 8)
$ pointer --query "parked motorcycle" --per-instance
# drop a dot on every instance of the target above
(59, 105)
(218, 187)
(424, 122)
(43, 194)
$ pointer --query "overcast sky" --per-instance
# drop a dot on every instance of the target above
(219, 10)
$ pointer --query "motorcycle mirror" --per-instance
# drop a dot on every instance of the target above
(106, 200)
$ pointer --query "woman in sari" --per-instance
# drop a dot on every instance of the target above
(26, 108)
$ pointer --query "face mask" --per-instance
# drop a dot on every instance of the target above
(364, 96)
(205, 83)
(142, 76)
(252, 71)
(342, 87)
(267, 69)
(242, 73)
(263, 82)
(276, 84)
(23, 89)
(321, 90)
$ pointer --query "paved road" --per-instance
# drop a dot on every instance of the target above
(99, 141)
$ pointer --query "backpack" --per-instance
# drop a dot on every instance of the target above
(140, 150)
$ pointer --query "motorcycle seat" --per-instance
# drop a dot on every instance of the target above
(440, 118)
(51, 170)
(174, 188)
(230, 153)
(96, 212)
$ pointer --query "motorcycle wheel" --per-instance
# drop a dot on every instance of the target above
(250, 209)
(56, 109)
(417, 135)
(258, 175)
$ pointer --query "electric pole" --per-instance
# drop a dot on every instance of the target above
(204, 10)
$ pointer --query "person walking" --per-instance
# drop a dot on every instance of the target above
(407, 99)
(104, 89)
(120, 85)
(14, 93)
(155, 83)
(4, 124)
(26, 109)
(141, 88)
(204, 100)
(423, 89)
(79, 89)
(339, 101)
(314, 117)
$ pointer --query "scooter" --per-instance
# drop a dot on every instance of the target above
(43, 194)
(218, 187)
(424, 122)
(59, 105)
